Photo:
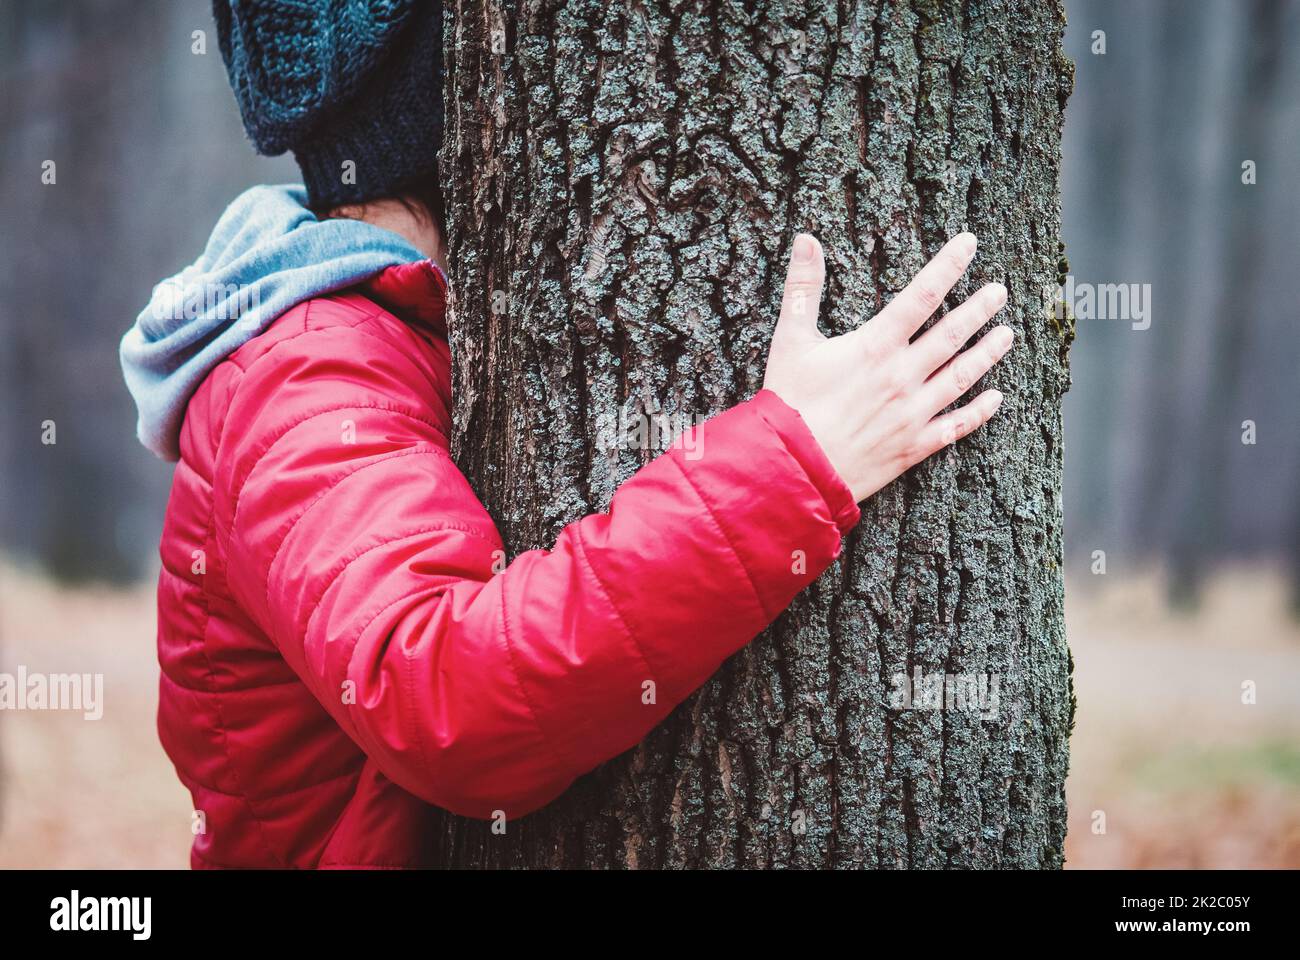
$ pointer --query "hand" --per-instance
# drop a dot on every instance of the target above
(870, 397)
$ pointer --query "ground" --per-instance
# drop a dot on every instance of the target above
(1184, 772)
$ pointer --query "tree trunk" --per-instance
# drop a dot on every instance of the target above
(624, 181)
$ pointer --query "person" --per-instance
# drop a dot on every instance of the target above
(342, 644)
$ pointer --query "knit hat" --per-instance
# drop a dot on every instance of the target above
(352, 87)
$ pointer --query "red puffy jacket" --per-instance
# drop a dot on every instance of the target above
(337, 651)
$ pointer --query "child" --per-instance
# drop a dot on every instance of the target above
(339, 645)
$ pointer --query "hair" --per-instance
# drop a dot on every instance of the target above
(422, 197)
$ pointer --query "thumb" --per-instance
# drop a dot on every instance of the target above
(801, 300)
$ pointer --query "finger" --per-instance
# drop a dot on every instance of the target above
(801, 299)
(904, 315)
(961, 372)
(947, 429)
(941, 342)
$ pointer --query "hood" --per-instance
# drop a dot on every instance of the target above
(267, 254)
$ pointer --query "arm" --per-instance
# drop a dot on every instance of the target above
(370, 565)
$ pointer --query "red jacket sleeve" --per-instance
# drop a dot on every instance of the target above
(356, 545)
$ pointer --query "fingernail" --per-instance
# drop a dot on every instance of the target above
(967, 243)
(997, 294)
(996, 398)
(804, 248)
(1002, 339)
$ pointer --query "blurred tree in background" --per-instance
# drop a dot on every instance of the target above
(1156, 136)
(148, 149)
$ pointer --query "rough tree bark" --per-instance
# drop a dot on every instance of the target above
(624, 180)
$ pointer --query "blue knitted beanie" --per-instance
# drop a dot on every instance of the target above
(337, 81)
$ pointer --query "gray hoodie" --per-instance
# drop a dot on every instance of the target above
(267, 253)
